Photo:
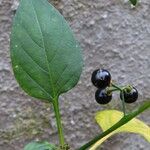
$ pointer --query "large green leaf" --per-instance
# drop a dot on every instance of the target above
(46, 58)
(106, 119)
(40, 146)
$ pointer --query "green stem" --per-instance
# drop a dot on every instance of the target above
(58, 121)
(123, 103)
(122, 95)
(113, 85)
(123, 121)
(111, 89)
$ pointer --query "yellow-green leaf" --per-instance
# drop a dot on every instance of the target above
(108, 118)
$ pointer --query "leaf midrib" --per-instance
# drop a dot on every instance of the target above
(47, 62)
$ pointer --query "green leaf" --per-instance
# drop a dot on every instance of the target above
(46, 58)
(39, 146)
(106, 119)
(133, 2)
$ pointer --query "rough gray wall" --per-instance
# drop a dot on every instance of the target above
(113, 36)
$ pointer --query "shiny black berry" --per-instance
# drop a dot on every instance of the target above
(102, 97)
(101, 78)
(130, 97)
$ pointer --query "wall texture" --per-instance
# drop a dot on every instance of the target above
(113, 35)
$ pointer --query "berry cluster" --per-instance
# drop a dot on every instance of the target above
(101, 78)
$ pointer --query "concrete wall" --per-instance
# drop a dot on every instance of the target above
(113, 36)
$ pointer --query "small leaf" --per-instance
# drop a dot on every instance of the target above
(133, 2)
(46, 58)
(108, 118)
(39, 146)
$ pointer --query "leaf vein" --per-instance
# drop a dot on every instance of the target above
(44, 49)
(65, 68)
(28, 33)
(34, 60)
(72, 76)
(41, 87)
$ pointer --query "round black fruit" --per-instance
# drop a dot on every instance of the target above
(101, 78)
(130, 97)
(102, 97)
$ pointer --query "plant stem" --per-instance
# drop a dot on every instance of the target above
(123, 121)
(113, 85)
(58, 121)
(123, 103)
(122, 95)
(111, 89)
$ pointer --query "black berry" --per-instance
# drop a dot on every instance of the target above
(130, 97)
(101, 78)
(102, 97)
